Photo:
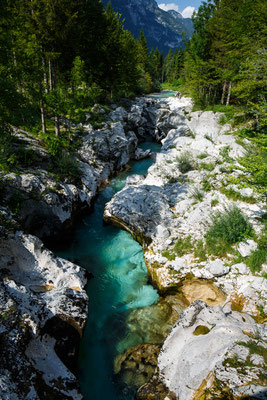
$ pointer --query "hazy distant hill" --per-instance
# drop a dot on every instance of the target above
(162, 29)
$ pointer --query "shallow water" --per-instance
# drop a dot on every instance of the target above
(119, 286)
(163, 94)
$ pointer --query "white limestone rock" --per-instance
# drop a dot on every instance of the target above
(247, 247)
(217, 268)
(188, 357)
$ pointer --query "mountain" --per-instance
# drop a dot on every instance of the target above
(163, 29)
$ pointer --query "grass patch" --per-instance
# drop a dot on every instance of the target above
(170, 256)
(185, 162)
(227, 228)
(208, 137)
(200, 251)
(183, 246)
(232, 194)
(207, 185)
(207, 166)
(255, 349)
(256, 259)
(214, 202)
(197, 194)
(224, 153)
(202, 156)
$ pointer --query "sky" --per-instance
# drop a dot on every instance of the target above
(185, 7)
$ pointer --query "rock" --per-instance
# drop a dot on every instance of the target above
(141, 154)
(119, 114)
(217, 268)
(246, 248)
(179, 368)
(137, 364)
(44, 305)
(134, 179)
(240, 268)
(97, 109)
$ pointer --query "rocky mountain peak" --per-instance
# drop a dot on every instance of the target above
(163, 29)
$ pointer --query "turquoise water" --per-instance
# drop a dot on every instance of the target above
(163, 94)
(118, 287)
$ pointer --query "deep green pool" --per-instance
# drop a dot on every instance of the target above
(119, 286)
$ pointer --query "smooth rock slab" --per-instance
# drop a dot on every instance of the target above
(188, 357)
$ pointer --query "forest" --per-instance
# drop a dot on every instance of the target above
(59, 58)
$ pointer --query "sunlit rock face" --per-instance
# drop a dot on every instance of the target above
(216, 350)
(162, 29)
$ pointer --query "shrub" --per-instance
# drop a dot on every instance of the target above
(185, 162)
(226, 229)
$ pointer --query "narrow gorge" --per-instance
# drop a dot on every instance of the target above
(172, 312)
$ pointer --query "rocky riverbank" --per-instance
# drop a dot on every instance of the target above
(202, 234)
(43, 305)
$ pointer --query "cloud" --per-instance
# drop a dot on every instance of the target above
(188, 11)
(170, 6)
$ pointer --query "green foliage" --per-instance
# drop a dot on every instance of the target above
(202, 156)
(197, 194)
(168, 255)
(207, 185)
(214, 202)
(224, 153)
(183, 246)
(207, 166)
(255, 167)
(256, 259)
(6, 155)
(234, 195)
(185, 162)
(67, 167)
(200, 251)
(255, 348)
(227, 228)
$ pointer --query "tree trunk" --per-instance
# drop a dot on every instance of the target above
(223, 93)
(45, 74)
(42, 109)
(57, 126)
(229, 94)
(50, 75)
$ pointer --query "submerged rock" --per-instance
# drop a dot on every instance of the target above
(137, 365)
